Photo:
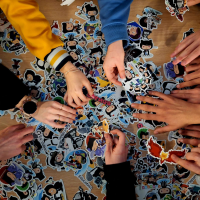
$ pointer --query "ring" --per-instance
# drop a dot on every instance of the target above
(62, 106)
(59, 118)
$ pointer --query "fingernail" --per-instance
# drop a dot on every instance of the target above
(138, 97)
(77, 113)
(134, 115)
(178, 86)
(133, 104)
(180, 140)
(74, 122)
(155, 132)
(92, 96)
(180, 131)
(150, 92)
(106, 136)
(183, 63)
(76, 118)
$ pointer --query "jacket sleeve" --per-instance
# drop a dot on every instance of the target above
(120, 181)
(12, 89)
(114, 15)
(35, 31)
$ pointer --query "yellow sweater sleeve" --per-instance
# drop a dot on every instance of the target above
(35, 30)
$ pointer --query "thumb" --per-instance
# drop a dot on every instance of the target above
(164, 129)
(109, 144)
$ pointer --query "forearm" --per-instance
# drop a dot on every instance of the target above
(12, 89)
(35, 31)
(120, 183)
(114, 15)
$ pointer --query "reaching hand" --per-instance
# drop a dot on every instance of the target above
(118, 153)
(114, 62)
(189, 49)
(12, 140)
(192, 95)
(75, 82)
(192, 161)
(48, 112)
(175, 112)
(193, 131)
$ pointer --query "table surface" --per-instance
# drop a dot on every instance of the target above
(166, 37)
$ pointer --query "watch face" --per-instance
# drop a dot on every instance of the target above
(30, 107)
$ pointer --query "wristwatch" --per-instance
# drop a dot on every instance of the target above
(30, 106)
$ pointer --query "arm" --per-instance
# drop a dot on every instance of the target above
(120, 179)
(114, 15)
(35, 31)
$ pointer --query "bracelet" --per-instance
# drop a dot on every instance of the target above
(71, 70)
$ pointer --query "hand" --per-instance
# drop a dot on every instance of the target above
(48, 112)
(114, 62)
(75, 83)
(189, 49)
(192, 130)
(193, 160)
(12, 140)
(192, 78)
(118, 153)
(175, 112)
(191, 96)
(192, 2)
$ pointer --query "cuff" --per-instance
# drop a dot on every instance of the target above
(57, 58)
(114, 32)
(123, 170)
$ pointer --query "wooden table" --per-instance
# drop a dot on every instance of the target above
(166, 37)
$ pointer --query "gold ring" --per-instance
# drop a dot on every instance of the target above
(59, 118)
(62, 106)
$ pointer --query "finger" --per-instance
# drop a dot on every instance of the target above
(111, 77)
(66, 97)
(193, 127)
(181, 96)
(160, 94)
(15, 127)
(78, 101)
(109, 144)
(55, 125)
(183, 45)
(71, 102)
(25, 131)
(145, 107)
(189, 83)
(195, 150)
(82, 97)
(63, 113)
(64, 119)
(195, 61)
(164, 129)
(149, 100)
(23, 148)
(192, 2)
(193, 142)
(147, 116)
(186, 164)
(89, 88)
(192, 76)
(193, 156)
(187, 52)
(26, 139)
(122, 137)
(116, 141)
(194, 54)
(182, 91)
(190, 133)
(69, 110)
(192, 68)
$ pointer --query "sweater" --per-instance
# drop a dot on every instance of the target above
(114, 15)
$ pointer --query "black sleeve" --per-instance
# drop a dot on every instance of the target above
(120, 182)
(12, 89)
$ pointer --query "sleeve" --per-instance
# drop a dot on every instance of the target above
(119, 178)
(114, 15)
(12, 89)
(35, 31)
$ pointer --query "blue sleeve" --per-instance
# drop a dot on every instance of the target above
(114, 15)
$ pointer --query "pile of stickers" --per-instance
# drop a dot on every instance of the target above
(80, 146)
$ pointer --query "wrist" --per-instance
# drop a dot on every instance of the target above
(115, 45)
(68, 66)
(38, 107)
